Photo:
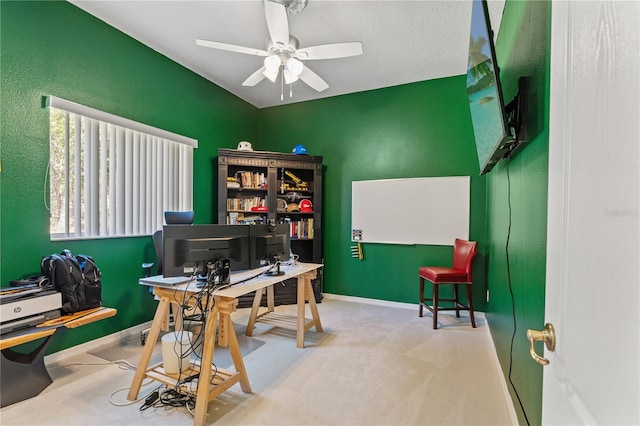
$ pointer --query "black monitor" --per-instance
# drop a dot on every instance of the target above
(188, 248)
(269, 243)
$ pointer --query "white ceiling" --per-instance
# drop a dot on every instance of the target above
(403, 41)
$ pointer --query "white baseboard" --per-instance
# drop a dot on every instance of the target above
(379, 302)
(402, 305)
(135, 331)
(505, 389)
(92, 344)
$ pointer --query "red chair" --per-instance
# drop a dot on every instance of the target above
(461, 273)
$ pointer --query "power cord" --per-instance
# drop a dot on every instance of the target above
(123, 364)
(293, 258)
(196, 308)
(513, 305)
(124, 404)
(183, 393)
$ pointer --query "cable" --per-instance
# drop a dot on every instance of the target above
(293, 258)
(513, 303)
(123, 365)
(124, 404)
(183, 393)
(44, 189)
(127, 365)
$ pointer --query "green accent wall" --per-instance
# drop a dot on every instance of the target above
(423, 129)
(54, 48)
(413, 130)
(523, 49)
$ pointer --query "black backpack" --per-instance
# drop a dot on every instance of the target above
(76, 277)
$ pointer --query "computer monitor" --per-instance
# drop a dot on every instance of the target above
(188, 248)
(269, 243)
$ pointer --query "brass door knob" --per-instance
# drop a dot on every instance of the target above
(548, 336)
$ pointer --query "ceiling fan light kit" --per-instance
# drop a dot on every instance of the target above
(289, 77)
(282, 51)
(292, 6)
(270, 74)
(272, 62)
(295, 66)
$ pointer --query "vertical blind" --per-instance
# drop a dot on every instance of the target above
(112, 176)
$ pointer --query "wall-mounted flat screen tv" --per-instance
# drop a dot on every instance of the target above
(492, 134)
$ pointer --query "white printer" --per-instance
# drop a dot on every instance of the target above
(27, 306)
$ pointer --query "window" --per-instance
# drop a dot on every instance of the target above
(113, 177)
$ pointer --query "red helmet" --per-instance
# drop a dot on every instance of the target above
(305, 206)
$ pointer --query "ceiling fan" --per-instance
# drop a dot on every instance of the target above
(283, 55)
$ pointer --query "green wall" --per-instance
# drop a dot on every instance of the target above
(55, 48)
(423, 129)
(413, 130)
(523, 49)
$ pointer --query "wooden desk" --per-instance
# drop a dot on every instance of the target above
(304, 272)
(25, 375)
(219, 308)
(209, 385)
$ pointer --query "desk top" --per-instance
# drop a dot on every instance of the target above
(238, 285)
(290, 271)
(47, 328)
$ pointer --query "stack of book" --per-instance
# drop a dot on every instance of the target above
(245, 204)
(235, 218)
(301, 229)
(252, 180)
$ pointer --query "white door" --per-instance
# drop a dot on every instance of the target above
(593, 256)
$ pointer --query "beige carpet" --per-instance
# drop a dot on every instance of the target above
(374, 365)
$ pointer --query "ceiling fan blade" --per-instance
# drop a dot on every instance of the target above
(330, 51)
(277, 23)
(231, 47)
(313, 79)
(254, 78)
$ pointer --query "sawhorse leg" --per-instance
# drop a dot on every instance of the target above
(256, 306)
(147, 351)
(222, 312)
(305, 293)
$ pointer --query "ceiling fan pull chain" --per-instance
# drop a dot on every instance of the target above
(282, 85)
(291, 90)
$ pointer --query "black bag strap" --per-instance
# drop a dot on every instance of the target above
(89, 266)
(53, 264)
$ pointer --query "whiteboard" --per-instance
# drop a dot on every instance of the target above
(432, 210)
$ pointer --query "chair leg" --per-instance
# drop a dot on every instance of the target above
(435, 306)
(456, 301)
(421, 297)
(473, 320)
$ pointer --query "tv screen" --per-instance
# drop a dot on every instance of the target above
(484, 92)
(188, 248)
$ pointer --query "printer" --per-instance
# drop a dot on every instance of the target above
(27, 306)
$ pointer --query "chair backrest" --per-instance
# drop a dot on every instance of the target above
(157, 244)
(463, 254)
(171, 218)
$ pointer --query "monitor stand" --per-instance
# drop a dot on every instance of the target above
(276, 270)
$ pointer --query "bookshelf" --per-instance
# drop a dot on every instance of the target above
(273, 187)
